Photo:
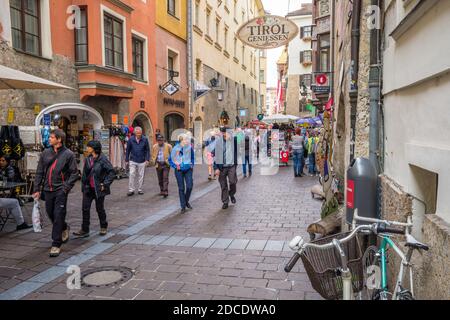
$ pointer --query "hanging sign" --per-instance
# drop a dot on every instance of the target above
(114, 118)
(268, 32)
(10, 115)
(47, 119)
(125, 120)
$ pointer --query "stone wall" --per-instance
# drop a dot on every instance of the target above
(209, 107)
(60, 69)
(431, 276)
(293, 95)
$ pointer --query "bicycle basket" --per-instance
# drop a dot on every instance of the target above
(322, 266)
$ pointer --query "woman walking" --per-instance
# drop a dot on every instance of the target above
(98, 175)
(298, 144)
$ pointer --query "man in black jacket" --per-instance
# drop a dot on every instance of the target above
(98, 175)
(56, 175)
(225, 164)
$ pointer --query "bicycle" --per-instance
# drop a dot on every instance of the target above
(375, 260)
(338, 270)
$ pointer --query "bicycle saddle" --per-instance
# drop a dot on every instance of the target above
(413, 243)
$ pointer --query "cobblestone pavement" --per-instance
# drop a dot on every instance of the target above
(208, 253)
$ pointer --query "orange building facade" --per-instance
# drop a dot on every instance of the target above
(112, 45)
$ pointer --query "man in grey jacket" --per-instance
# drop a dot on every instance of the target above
(56, 175)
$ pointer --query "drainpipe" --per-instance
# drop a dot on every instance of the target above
(375, 93)
(356, 22)
(190, 62)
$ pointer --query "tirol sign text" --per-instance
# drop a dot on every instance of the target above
(268, 32)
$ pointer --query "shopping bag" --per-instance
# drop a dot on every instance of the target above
(36, 216)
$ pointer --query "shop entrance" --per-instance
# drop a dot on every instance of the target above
(143, 121)
(172, 122)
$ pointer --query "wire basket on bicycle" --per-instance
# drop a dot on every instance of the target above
(323, 266)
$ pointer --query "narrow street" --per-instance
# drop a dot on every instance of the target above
(208, 253)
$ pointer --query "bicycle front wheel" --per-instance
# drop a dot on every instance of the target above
(371, 273)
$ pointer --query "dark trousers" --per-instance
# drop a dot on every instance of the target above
(185, 185)
(162, 170)
(312, 163)
(228, 174)
(244, 166)
(88, 197)
(56, 207)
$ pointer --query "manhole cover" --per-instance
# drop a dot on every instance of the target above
(106, 276)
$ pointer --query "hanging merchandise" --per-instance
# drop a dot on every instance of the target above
(18, 149)
(6, 147)
(45, 132)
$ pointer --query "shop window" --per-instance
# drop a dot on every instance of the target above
(26, 25)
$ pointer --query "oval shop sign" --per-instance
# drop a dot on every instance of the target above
(268, 32)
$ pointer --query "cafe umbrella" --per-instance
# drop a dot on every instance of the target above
(15, 79)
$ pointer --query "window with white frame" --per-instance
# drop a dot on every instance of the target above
(113, 33)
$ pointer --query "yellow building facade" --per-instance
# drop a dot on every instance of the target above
(224, 64)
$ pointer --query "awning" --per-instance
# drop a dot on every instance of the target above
(280, 118)
(14, 79)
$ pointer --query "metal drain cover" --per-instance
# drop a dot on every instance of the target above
(106, 277)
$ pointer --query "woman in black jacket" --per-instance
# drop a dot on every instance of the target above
(98, 175)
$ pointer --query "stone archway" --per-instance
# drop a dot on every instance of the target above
(142, 120)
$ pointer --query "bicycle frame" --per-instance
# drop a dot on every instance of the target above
(387, 242)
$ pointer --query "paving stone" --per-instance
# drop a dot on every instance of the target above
(205, 242)
(238, 244)
(172, 241)
(256, 245)
(273, 245)
(156, 240)
(188, 242)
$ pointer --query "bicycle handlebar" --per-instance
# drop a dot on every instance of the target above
(288, 267)
(386, 229)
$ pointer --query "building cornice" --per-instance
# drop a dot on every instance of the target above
(122, 5)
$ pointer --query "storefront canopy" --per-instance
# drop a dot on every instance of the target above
(279, 118)
(14, 79)
(67, 109)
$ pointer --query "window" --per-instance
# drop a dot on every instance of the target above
(306, 56)
(198, 67)
(305, 80)
(138, 58)
(172, 63)
(243, 90)
(306, 32)
(225, 41)
(113, 42)
(172, 7)
(208, 21)
(26, 25)
(324, 53)
(217, 30)
(197, 14)
(81, 39)
(235, 47)
(261, 75)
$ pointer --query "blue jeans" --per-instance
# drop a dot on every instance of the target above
(185, 185)
(312, 163)
(244, 166)
(298, 162)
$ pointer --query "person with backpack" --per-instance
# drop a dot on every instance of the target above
(98, 175)
(56, 175)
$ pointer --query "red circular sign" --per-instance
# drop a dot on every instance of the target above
(321, 79)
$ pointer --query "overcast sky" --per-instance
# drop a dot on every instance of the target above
(280, 8)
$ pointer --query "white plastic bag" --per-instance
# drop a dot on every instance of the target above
(36, 216)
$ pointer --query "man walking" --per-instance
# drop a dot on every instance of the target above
(160, 158)
(56, 175)
(225, 164)
(182, 159)
(138, 156)
(247, 148)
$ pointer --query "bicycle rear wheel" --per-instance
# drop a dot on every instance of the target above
(371, 263)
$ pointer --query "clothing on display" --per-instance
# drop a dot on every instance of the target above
(11, 146)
